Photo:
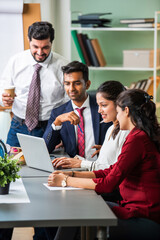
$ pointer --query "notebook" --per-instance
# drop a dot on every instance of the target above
(36, 153)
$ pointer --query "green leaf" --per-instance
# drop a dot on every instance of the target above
(8, 170)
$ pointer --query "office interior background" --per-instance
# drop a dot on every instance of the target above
(60, 13)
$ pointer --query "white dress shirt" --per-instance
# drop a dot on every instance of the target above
(109, 152)
(88, 129)
(19, 71)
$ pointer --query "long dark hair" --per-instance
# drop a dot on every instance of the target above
(110, 91)
(142, 111)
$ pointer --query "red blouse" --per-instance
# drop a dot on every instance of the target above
(137, 173)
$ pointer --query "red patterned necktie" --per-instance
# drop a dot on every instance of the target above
(80, 133)
(33, 102)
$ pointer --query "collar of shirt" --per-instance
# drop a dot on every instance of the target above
(85, 104)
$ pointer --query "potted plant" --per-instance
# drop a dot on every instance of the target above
(8, 172)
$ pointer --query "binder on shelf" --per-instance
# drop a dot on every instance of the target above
(75, 39)
(98, 51)
(92, 53)
(83, 48)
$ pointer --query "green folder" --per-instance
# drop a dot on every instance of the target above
(75, 39)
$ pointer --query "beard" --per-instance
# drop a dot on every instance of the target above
(44, 55)
(40, 61)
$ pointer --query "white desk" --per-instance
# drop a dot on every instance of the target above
(56, 208)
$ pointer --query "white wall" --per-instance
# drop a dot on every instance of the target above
(62, 27)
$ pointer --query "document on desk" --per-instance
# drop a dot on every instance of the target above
(60, 188)
(17, 193)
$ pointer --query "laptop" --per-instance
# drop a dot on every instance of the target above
(36, 153)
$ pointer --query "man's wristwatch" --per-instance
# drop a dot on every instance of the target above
(64, 182)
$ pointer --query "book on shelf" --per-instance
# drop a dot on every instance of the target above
(75, 39)
(133, 84)
(138, 85)
(89, 50)
(98, 52)
(145, 85)
(137, 20)
(85, 37)
(143, 25)
(81, 40)
(144, 82)
(150, 87)
(93, 56)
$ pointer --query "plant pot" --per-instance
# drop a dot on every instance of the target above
(5, 189)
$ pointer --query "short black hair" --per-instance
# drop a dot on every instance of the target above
(76, 66)
(41, 31)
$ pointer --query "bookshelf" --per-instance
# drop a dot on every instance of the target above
(115, 67)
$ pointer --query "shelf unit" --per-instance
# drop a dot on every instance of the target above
(154, 30)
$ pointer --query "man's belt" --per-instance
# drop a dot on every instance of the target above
(22, 121)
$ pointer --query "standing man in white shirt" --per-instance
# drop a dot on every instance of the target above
(19, 73)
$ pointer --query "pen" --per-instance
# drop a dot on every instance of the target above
(80, 128)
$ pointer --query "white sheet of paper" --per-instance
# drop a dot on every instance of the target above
(17, 193)
(60, 188)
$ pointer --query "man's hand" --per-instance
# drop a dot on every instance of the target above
(72, 117)
(55, 179)
(7, 99)
(98, 147)
(67, 162)
(60, 145)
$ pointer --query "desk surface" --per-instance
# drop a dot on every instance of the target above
(27, 172)
(56, 208)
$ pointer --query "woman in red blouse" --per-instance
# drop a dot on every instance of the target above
(137, 171)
